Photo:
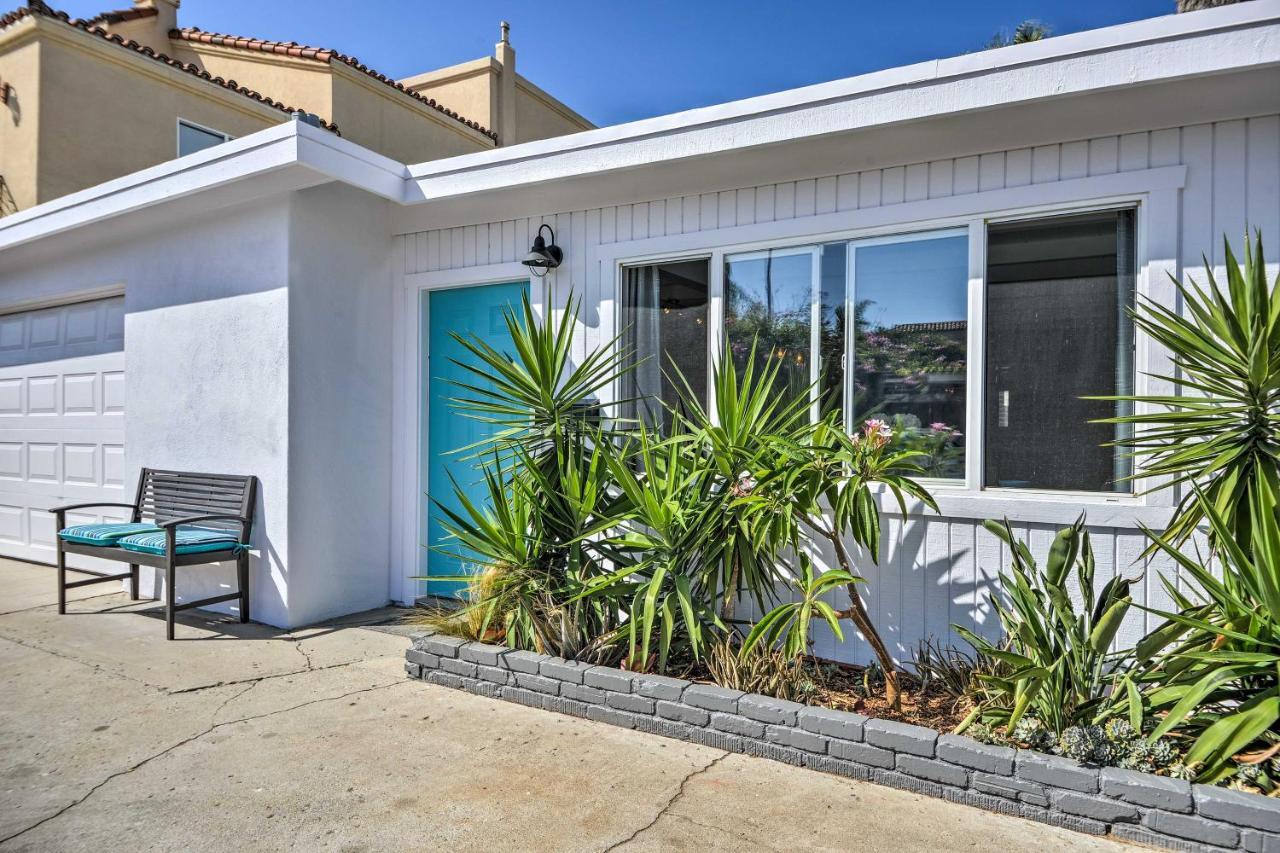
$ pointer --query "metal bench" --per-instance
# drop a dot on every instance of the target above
(170, 499)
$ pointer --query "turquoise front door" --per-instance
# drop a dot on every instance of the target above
(471, 312)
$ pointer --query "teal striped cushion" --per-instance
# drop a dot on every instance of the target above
(188, 540)
(103, 534)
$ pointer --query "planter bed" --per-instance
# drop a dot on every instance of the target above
(1127, 804)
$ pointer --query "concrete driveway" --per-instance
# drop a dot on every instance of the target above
(244, 737)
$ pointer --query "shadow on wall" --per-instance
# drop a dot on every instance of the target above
(268, 576)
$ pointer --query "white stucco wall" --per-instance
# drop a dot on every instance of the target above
(256, 342)
(339, 402)
(206, 324)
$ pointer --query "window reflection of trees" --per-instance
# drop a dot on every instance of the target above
(912, 375)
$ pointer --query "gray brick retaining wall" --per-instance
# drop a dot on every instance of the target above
(1134, 806)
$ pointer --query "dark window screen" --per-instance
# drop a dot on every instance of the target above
(1057, 330)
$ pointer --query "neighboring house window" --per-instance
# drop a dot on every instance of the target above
(193, 138)
(1057, 330)
(664, 323)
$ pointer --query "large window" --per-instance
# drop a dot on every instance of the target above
(907, 350)
(1056, 331)
(911, 320)
(664, 322)
(193, 138)
(878, 328)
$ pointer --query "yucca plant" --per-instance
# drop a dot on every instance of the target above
(1211, 671)
(529, 575)
(1220, 431)
(665, 550)
(538, 398)
(738, 444)
(546, 502)
(787, 626)
(1056, 654)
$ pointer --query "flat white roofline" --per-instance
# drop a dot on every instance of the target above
(291, 155)
(1166, 28)
(295, 155)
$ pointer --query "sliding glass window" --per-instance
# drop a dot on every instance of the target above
(1058, 331)
(787, 306)
(664, 328)
(909, 301)
(910, 307)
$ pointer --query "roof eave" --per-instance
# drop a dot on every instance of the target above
(289, 156)
(1242, 36)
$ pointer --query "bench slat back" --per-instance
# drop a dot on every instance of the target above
(168, 495)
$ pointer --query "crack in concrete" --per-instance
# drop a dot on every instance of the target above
(102, 670)
(96, 667)
(670, 802)
(214, 726)
(741, 836)
(297, 644)
(70, 601)
(257, 678)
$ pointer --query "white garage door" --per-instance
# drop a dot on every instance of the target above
(61, 420)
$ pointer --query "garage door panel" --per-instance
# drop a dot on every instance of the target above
(62, 403)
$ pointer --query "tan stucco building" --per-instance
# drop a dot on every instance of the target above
(83, 101)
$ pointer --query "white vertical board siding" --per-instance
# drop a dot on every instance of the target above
(933, 572)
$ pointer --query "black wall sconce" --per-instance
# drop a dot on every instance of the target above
(4, 92)
(543, 256)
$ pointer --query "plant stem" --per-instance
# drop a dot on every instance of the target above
(857, 614)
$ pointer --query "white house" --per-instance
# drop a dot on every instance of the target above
(268, 306)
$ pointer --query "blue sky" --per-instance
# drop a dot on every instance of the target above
(616, 61)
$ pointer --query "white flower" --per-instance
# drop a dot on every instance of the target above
(744, 485)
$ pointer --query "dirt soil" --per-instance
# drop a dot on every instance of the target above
(930, 707)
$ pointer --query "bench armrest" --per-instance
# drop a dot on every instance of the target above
(70, 507)
(192, 519)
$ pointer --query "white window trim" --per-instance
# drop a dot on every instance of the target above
(1153, 193)
(212, 131)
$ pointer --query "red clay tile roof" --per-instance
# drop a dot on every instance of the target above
(936, 326)
(319, 54)
(117, 16)
(42, 9)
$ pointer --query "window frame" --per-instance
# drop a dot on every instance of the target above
(1152, 193)
(177, 135)
(715, 315)
(851, 355)
(978, 476)
(814, 251)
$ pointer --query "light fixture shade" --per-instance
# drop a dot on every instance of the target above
(542, 256)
